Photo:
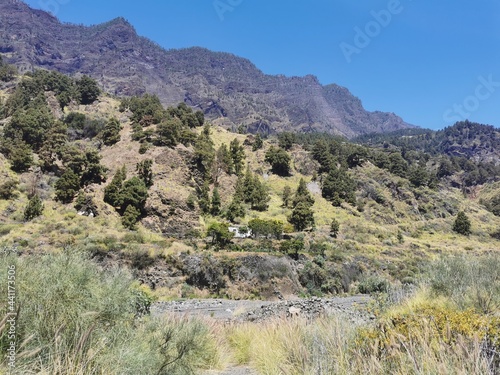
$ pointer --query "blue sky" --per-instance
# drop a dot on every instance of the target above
(431, 62)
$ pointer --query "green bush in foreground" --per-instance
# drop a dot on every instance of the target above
(73, 318)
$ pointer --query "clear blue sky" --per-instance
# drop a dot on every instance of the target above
(433, 62)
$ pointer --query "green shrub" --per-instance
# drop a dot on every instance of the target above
(34, 208)
(373, 284)
(470, 281)
(7, 189)
(462, 224)
(76, 319)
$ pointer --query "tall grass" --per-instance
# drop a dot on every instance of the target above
(76, 319)
(332, 346)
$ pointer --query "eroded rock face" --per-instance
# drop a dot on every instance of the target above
(166, 207)
(227, 88)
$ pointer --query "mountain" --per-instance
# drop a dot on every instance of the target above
(230, 90)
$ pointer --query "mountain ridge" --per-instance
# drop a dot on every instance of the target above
(230, 90)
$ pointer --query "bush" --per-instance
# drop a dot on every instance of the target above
(469, 281)
(34, 208)
(77, 319)
(373, 284)
(7, 189)
(462, 224)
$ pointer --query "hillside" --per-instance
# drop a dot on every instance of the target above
(230, 90)
(464, 139)
(394, 209)
(108, 205)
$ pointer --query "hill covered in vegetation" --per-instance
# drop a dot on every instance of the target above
(92, 184)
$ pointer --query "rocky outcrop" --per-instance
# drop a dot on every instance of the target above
(229, 89)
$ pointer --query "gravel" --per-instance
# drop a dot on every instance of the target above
(353, 307)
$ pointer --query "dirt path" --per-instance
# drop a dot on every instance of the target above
(354, 307)
(233, 371)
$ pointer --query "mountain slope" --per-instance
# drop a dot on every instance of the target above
(229, 89)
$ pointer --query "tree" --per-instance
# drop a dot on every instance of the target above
(221, 236)
(204, 154)
(302, 216)
(7, 72)
(204, 198)
(462, 224)
(19, 155)
(445, 168)
(53, 144)
(398, 165)
(287, 196)
(168, 132)
(321, 153)
(223, 161)
(93, 171)
(258, 143)
(418, 176)
(279, 160)
(111, 132)
(7, 189)
(286, 140)
(236, 209)
(87, 89)
(67, 186)
(292, 247)
(216, 203)
(145, 171)
(302, 194)
(135, 193)
(131, 217)
(34, 208)
(31, 125)
(238, 155)
(112, 191)
(266, 228)
(338, 186)
(334, 228)
(259, 198)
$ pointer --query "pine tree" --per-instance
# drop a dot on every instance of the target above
(223, 162)
(67, 186)
(111, 132)
(168, 132)
(334, 228)
(462, 224)
(87, 89)
(302, 216)
(259, 198)
(20, 156)
(133, 193)
(235, 210)
(302, 194)
(53, 144)
(112, 191)
(204, 154)
(204, 198)
(238, 155)
(145, 171)
(131, 217)
(216, 203)
(34, 208)
(287, 196)
(338, 186)
(279, 160)
(258, 143)
(93, 171)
